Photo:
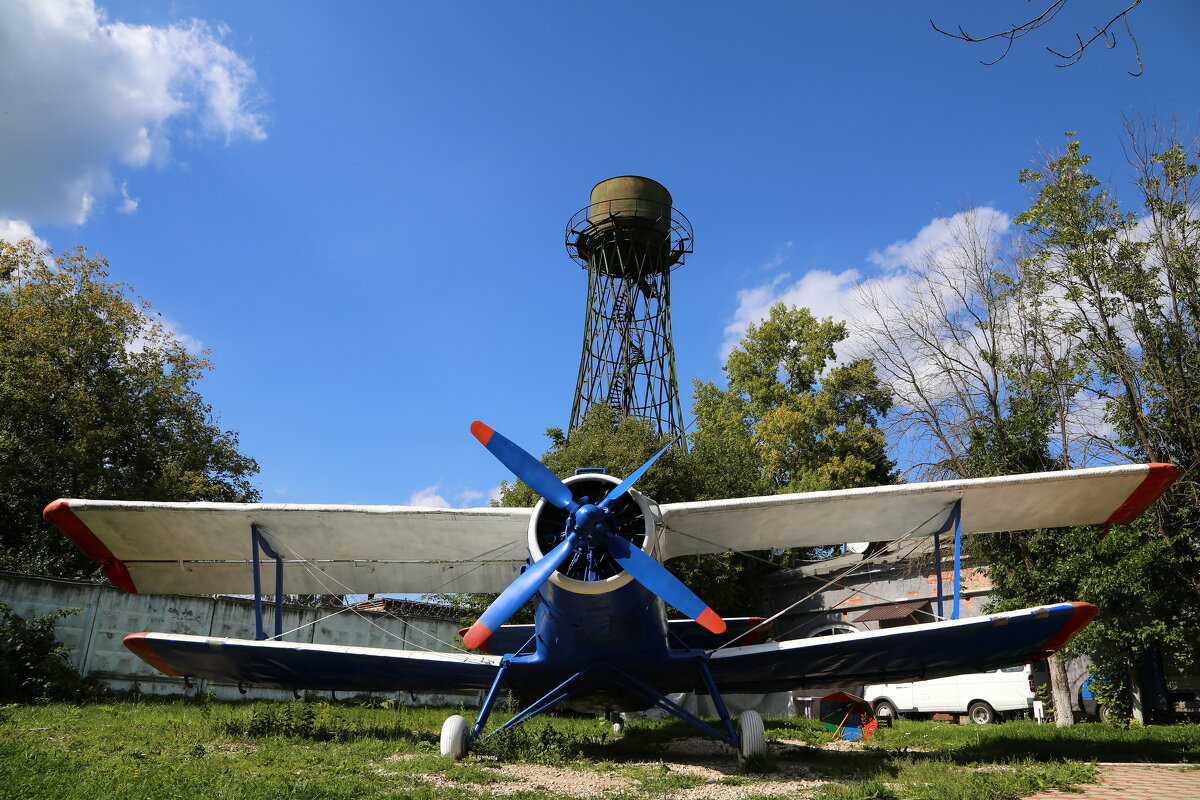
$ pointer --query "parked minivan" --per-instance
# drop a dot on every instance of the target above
(983, 696)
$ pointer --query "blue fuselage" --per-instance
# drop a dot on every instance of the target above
(619, 631)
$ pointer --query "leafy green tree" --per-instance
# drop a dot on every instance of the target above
(618, 444)
(788, 420)
(1124, 287)
(98, 400)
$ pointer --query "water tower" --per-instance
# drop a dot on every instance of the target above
(629, 239)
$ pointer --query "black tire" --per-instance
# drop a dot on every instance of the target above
(981, 713)
(886, 708)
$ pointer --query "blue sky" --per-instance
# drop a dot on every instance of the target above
(359, 207)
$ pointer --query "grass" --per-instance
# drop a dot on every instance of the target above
(263, 751)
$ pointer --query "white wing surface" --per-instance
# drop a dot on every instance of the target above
(206, 548)
(1009, 503)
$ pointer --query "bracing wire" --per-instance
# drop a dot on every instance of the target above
(846, 572)
(320, 577)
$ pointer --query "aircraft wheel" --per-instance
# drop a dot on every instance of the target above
(981, 713)
(885, 708)
(454, 737)
(751, 735)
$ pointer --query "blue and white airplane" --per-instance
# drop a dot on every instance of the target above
(601, 640)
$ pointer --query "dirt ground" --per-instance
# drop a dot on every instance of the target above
(711, 761)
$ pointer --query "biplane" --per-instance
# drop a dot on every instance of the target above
(593, 563)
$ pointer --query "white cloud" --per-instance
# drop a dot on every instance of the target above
(824, 293)
(128, 204)
(431, 497)
(82, 94)
(839, 294)
(428, 498)
(156, 325)
(14, 230)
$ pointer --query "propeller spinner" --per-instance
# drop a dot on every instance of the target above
(589, 526)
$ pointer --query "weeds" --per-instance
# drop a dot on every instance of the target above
(543, 744)
(868, 790)
(34, 665)
(659, 779)
(317, 722)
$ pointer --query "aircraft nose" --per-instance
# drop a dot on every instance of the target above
(590, 519)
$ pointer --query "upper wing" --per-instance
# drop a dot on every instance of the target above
(1007, 503)
(205, 548)
(909, 652)
(295, 665)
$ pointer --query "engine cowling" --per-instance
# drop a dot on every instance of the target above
(590, 570)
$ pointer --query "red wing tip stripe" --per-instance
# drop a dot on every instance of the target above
(481, 432)
(1080, 617)
(137, 644)
(711, 620)
(60, 515)
(1157, 479)
(476, 636)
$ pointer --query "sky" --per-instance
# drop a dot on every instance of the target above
(359, 208)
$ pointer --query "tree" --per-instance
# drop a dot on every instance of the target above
(616, 443)
(98, 400)
(956, 342)
(1124, 287)
(979, 391)
(789, 421)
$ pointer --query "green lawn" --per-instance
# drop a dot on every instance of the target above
(254, 751)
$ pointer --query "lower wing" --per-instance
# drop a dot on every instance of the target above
(911, 652)
(295, 665)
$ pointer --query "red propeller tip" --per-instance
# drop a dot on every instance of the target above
(476, 636)
(711, 620)
(481, 432)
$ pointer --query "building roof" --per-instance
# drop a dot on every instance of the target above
(890, 611)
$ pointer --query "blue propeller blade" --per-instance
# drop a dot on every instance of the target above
(518, 592)
(624, 485)
(658, 579)
(526, 467)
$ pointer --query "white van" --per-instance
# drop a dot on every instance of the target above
(983, 696)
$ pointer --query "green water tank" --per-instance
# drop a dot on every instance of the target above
(631, 197)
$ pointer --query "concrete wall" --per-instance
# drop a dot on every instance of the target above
(94, 635)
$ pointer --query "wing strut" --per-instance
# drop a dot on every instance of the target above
(257, 541)
(954, 519)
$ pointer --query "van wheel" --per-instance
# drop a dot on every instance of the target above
(885, 708)
(981, 713)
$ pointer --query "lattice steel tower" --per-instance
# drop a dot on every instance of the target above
(629, 239)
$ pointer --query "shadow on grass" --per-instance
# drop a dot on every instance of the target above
(1132, 747)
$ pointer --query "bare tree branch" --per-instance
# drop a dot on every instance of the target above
(1011, 34)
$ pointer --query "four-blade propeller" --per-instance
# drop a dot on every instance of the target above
(585, 522)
